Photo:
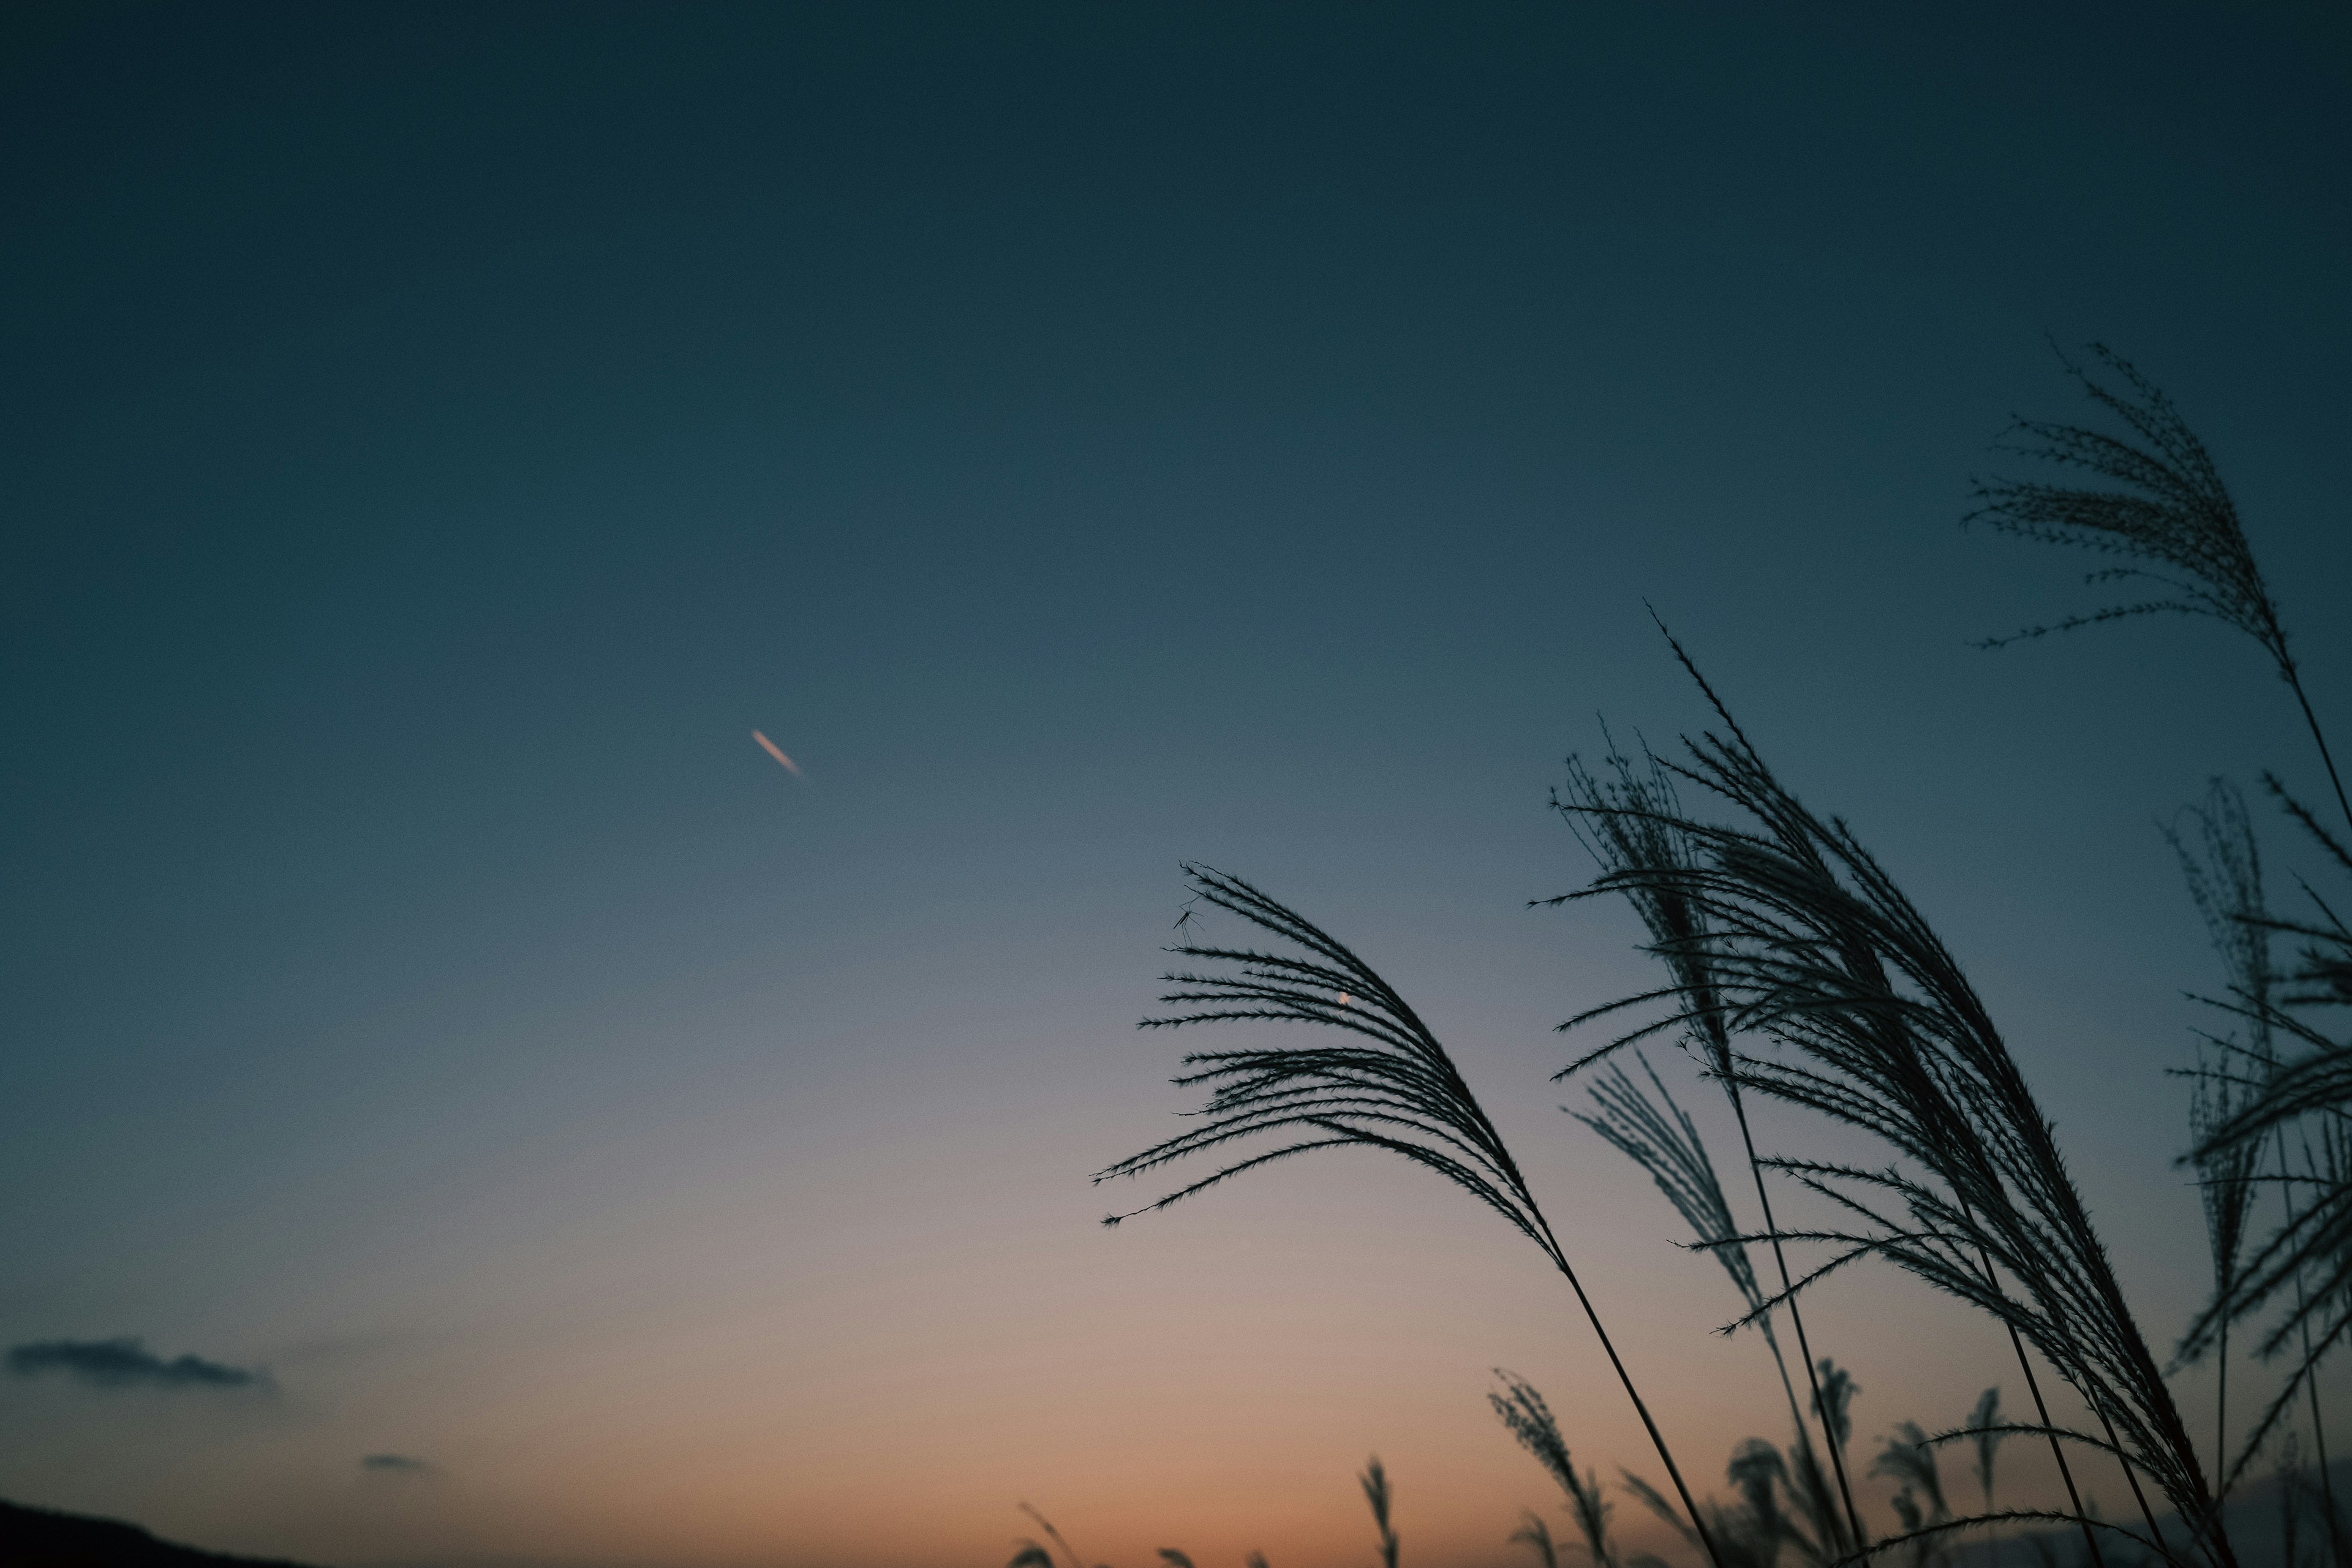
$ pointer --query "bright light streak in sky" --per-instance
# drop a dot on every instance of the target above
(776, 752)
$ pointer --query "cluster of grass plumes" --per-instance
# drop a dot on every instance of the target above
(1626, 820)
(1774, 1512)
(1773, 1516)
(2300, 1276)
(1796, 969)
(2174, 519)
(1800, 938)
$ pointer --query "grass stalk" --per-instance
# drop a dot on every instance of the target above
(1399, 1092)
(2173, 519)
(1808, 944)
(1626, 822)
(1375, 1482)
(1524, 1411)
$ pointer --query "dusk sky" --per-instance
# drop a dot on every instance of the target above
(1082, 439)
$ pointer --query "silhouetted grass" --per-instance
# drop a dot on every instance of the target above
(1375, 1482)
(1523, 1411)
(1796, 968)
(1910, 1463)
(2223, 869)
(1399, 1092)
(1628, 821)
(1667, 1144)
(1803, 940)
(1985, 1431)
(2173, 517)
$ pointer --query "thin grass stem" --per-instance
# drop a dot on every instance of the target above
(1400, 1091)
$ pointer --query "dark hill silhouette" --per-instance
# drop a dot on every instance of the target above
(37, 1538)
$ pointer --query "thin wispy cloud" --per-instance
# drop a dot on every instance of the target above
(394, 1464)
(777, 752)
(126, 1362)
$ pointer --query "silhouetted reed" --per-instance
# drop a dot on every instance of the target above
(2223, 868)
(1796, 969)
(1834, 1402)
(2305, 1267)
(1802, 940)
(2174, 514)
(1908, 1461)
(1375, 1482)
(1756, 1529)
(1522, 1410)
(2248, 1108)
(2175, 517)
(1667, 1145)
(1630, 821)
(1986, 1431)
(1399, 1092)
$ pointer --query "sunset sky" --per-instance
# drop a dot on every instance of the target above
(1081, 438)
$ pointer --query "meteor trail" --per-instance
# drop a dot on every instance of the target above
(776, 752)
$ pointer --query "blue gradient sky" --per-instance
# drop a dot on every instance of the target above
(1085, 439)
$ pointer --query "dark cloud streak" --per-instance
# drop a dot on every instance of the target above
(126, 1361)
(394, 1464)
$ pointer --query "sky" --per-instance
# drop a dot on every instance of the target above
(519, 1123)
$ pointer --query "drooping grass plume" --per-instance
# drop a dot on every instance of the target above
(2172, 521)
(1523, 1410)
(1910, 1463)
(1838, 1390)
(1375, 1482)
(1986, 1432)
(1757, 1528)
(2304, 1269)
(1173, 1558)
(1758, 1474)
(2223, 864)
(1394, 1088)
(1634, 822)
(1631, 821)
(1666, 1142)
(1537, 1534)
(1808, 943)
